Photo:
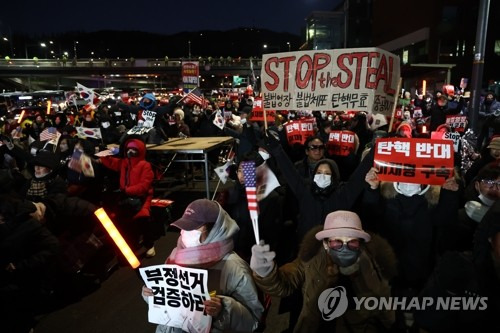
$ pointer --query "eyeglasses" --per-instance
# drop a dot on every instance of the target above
(491, 183)
(314, 147)
(337, 244)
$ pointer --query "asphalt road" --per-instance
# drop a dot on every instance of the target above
(117, 305)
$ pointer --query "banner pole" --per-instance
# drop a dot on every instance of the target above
(396, 97)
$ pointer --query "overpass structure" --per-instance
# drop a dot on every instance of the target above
(134, 73)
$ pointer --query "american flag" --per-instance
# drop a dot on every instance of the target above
(194, 96)
(250, 177)
(48, 134)
(75, 161)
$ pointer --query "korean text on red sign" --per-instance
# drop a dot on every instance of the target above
(341, 143)
(457, 122)
(297, 131)
(418, 161)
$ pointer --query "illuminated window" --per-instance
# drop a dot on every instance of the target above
(497, 47)
(405, 57)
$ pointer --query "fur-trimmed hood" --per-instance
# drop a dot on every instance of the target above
(377, 248)
(388, 191)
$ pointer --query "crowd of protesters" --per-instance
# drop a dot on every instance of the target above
(330, 222)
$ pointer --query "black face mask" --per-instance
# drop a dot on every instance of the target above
(344, 257)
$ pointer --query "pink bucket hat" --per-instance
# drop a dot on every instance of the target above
(342, 223)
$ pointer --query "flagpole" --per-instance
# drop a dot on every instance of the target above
(396, 97)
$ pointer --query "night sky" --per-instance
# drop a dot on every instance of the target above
(165, 17)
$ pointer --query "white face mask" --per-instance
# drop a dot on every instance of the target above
(63, 147)
(487, 201)
(191, 238)
(409, 189)
(265, 156)
(322, 180)
(243, 121)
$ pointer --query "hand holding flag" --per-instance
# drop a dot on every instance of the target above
(250, 177)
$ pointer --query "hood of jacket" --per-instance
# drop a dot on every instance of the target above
(138, 144)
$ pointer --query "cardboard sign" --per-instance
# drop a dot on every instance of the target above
(297, 131)
(179, 293)
(457, 122)
(149, 118)
(363, 79)
(341, 143)
(453, 136)
(418, 161)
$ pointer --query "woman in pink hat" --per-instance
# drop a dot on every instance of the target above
(338, 260)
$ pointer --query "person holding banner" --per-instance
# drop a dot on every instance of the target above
(340, 255)
(409, 216)
(149, 115)
(323, 193)
(206, 241)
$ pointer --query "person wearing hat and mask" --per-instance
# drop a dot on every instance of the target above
(206, 241)
(45, 179)
(148, 114)
(136, 189)
(337, 254)
(489, 155)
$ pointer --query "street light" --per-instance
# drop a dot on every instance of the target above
(189, 50)
(74, 48)
(288, 43)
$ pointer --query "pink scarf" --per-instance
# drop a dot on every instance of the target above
(204, 255)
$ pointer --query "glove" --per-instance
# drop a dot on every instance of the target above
(262, 262)
(272, 139)
(475, 210)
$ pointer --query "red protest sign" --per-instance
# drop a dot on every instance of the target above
(259, 115)
(258, 111)
(299, 130)
(418, 161)
(457, 122)
(341, 143)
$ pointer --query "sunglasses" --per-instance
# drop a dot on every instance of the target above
(316, 147)
(337, 244)
(491, 183)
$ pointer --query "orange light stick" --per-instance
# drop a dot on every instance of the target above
(424, 87)
(21, 117)
(117, 237)
(49, 106)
